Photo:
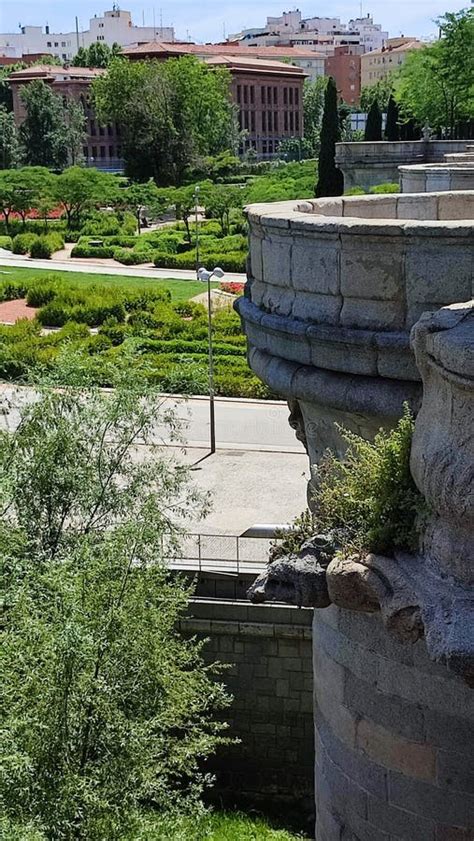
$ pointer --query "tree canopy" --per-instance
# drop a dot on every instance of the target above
(330, 178)
(313, 107)
(96, 55)
(373, 127)
(52, 132)
(436, 83)
(170, 113)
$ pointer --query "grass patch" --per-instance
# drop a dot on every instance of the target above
(218, 826)
(181, 290)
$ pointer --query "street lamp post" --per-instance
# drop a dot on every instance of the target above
(206, 276)
(196, 205)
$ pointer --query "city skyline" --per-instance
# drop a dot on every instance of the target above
(211, 20)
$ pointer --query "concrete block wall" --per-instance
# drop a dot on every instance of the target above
(269, 650)
(394, 737)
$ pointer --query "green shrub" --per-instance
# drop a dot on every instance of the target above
(385, 188)
(369, 500)
(132, 258)
(6, 242)
(10, 290)
(231, 261)
(22, 243)
(100, 251)
(41, 248)
(355, 191)
(42, 292)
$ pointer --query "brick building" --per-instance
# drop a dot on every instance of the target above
(344, 66)
(268, 93)
(102, 144)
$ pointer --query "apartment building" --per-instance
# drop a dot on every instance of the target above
(379, 64)
(114, 26)
(344, 67)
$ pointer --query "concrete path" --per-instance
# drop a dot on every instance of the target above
(9, 260)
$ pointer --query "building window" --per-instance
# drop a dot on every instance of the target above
(63, 43)
(56, 44)
(269, 120)
(84, 151)
(297, 121)
(252, 95)
(119, 151)
(263, 96)
(109, 130)
(239, 94)
(285, 96)
(102, 151)
(275, 96)
(240, 121)
(292, 124)
(285, 121)
(291, 96)
(94, 152)
(275, 121)
(49, 44)
(101, 131)
(269, 95)
(111, 151)
(252, 121)
(264, 120)
(246, 92)
(92, 128)
(297, 96)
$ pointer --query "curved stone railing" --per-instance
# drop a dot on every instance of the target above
(432, 178)
(334, 287)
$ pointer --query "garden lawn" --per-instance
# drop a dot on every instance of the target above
(219, 826)
(181, 290)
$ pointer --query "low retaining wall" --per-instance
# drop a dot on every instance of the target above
(368, 164)
(269, 648)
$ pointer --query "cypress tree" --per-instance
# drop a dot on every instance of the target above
(392, 131)
(373, 127)
(330, 178)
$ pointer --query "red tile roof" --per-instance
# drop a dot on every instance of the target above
(55, 72)
(250, 63)
(160, 48)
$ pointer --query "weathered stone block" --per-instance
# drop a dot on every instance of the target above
(372, 315)
(431, 802)
(437, 694)
(455, 772)
(276, 261)
(320, 308)
(277, 300)
(436, 276)
(315, 267)
(363, 699)
(417, 207)
(456, 207)
(400, 824)
(373, 272)
(386, 748)
(369, 775)
(256, 257)
(450, 732)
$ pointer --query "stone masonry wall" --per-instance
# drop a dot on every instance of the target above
(394, 737)
(270, 651)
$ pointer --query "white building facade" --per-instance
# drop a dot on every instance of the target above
(115, 26)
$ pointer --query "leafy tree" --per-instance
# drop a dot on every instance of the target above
(220, 201)
(185, 204)
(138, 197)
(7, 195)
(436, 83)
(106, 709)
(380, 92)
(78, 189)
(330, 178)
(392, 131)
(31, 183)
(96, 55)
(313, 106)
(53, 131)
(373, 126)
(9, 144)
(171, 114)
(296, 149)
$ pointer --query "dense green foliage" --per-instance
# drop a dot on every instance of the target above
(436, 82)
(170, 113)
(96, 55)
(9, 145)
(313, 108)
(369, 499)
(211, 827)
(106, 709)
(290, 181)
(392, 130)
(51, 134)
(165, 342)
(330, 178)
(373, 126)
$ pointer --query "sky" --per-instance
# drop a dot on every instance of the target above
(207, 20)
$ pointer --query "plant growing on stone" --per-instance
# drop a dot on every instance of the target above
(368, 500)
(106, 710)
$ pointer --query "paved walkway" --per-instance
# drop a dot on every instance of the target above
(7, 259)
(12, 311)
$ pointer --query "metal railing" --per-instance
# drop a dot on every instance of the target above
(230, 554)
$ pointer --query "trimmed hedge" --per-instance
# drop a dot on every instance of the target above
(85, 250)
(132, 258)
(230, 262)
(6, 242)
(23, 242)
